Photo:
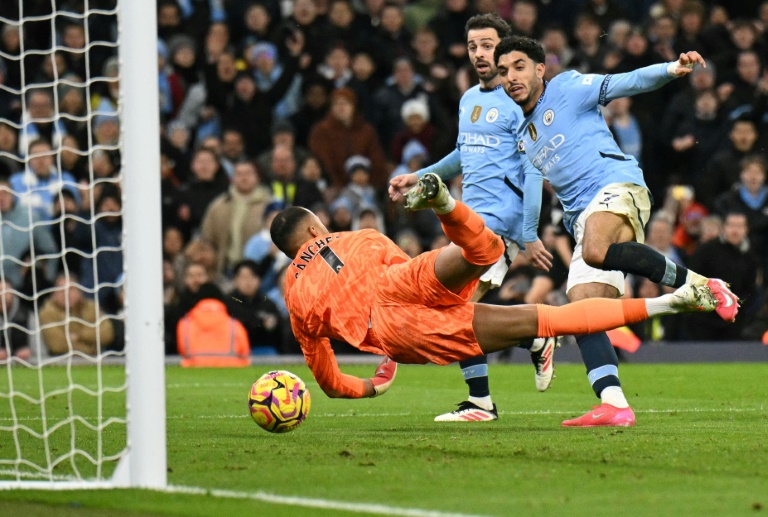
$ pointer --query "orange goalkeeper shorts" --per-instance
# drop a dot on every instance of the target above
(416, 319)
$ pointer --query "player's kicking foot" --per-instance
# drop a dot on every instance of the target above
(469, 412)
(429, 192)
(604, 415)
(543, 361)
(727, 302)
(694, 298)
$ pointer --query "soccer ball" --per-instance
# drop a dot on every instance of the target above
(279, 401)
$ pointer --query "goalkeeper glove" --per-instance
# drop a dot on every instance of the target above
(384, 377)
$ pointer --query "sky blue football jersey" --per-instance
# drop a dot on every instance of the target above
(568, 140)
(491, 163)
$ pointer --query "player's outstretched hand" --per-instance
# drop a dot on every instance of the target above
(538, 255)
(401, 184)
(684, 65)
(384, 377)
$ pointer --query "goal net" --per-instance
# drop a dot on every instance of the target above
(82, 400)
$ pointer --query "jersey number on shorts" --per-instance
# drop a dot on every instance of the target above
(332, 259)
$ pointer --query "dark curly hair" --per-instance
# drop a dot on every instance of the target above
(528, 46)
(488, 21)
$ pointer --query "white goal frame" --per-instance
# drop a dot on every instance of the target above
(144, 464)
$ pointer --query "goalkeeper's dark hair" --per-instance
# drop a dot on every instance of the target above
(488, 21)
(284, 226)
(528, 46)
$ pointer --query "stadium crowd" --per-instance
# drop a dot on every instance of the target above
(266, 104)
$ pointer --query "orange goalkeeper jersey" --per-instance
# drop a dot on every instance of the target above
(329, 289)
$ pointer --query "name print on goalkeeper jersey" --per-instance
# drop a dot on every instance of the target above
(567, 139)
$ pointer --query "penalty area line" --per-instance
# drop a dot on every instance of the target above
(308, 502)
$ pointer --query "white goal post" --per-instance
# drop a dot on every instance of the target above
(141, 460)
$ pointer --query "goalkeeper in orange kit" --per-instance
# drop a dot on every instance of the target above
(359, 287)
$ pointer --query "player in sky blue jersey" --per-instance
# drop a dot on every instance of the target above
(496, 178)
(602, 190)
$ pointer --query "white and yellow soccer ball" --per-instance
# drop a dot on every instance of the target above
(279, 401)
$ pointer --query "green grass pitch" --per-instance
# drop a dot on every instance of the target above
(700, 447)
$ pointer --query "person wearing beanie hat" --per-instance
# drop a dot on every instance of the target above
(359, 191)
(344, 124)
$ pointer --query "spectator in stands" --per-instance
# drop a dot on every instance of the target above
(316, 95)
(9, 156)
(36, 186)
(730, 257)
(337, 70)
(14, 319)
(305, 18)
(70, 322)
(39, 121)
(604, 12)
(750, 197)
(659, 236)
(234, 216)
(740, 89)
(345, 27)
(102, 239)
(287, 185)
(590, 51)
(192, 199)
(344, 124)
(65, 209)
(393, 39)
(259, 26)
(359, 191)
(525, 17)
(267, 70)
(194, 276)
(232, 150)
(10, 43)
(249, 305)
(430, 63)
(283, 135)
(449, 25)
(689, 36)
(415, 115)
(723, 170)
(711, 228)
(625, 127)
(107, 91)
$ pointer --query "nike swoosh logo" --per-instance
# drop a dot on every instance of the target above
(729, 301)
(381, 372)
(597, 416)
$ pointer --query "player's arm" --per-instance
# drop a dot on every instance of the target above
(535, 251)
(447, 168)
(322, 361)
(603, 89)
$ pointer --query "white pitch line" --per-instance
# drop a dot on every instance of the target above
(308, 502)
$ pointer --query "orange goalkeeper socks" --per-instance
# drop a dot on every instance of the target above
(480, 246)
(589, 316)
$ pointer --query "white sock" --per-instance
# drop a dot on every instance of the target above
(660, 305)
(614, 396)
(696, 279)
(483, 402)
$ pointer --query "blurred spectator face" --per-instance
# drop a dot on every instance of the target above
(415, 123)
(107, 131)
(711, 227)
(636, 44)
(707, 105)
(204, 165)
(7, 291)
(245, 178)
(341, 217)
(338, 60)
(54, 66)
(664, 29)
(184, 56)
(763, 14)
(264, 61)
(486, 6)
(368, 221)
(169, 273)
(225, 68)
(40, 105)
(316, 97)
(702, 79)
(110, 204)
(283, 139)
(6, 196)
(374, 7)
(360, 177)
(11, 39)
(743, 135)
(660, 233)
(304, 11)
(247, 282)
(748, 67)
(587, 31)
(194, 276)
(169, 16)
(735, 229)
(618, 34)
(178, 134)
(212, 143)
(232, 144)
(343, 110)
(310, 169)
(68, 155)
(8, 139)
(217, 38)
(68, 293)
(455, 6)
(403, 73)
(283, 164)
(72, 102)
(620, 107)
(392, 18)
(102, 164)
(340, 14)
(743, 36)
(425, 44)
(753, 176)
(245, 88)
(73, 37)
(257, 19)
(524, 15)
(173, 241)
(363, 66)
(554, 40)
(691, 21)
(41, 165)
